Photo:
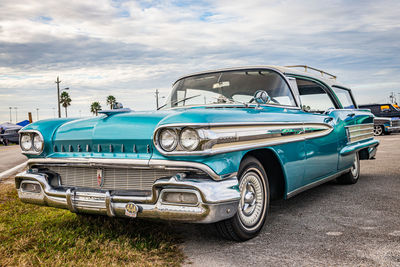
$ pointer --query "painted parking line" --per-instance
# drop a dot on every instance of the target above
(13, 170)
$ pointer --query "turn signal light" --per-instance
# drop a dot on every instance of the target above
(179, 198)
(31, 187)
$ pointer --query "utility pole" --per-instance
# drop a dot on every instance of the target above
(392, 97)
(37, 114)
(10, 114)
(58, 96)
(16, 114)
(157, 98)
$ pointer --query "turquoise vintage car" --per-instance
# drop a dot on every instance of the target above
(225, 144)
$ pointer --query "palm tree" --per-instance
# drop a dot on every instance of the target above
(65, 101)
(95, 107)
(111, 101)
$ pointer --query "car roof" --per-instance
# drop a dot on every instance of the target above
(283, 69)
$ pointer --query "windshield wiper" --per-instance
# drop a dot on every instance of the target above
(186, 98)
(179, 101)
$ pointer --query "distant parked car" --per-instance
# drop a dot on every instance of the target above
(11, 135)
(387, 118)
(383, 110)
(386, 125)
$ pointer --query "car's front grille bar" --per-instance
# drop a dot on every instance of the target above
(108, 178)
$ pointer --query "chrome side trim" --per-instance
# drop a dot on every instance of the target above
(216, 138)
(134, 164)
(316, 183)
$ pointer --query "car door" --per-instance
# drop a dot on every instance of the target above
(321, 152)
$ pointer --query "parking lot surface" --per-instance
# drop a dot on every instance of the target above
(330, 225)
(10, 156)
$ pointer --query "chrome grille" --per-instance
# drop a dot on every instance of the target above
(395, 123)
(360, 132)
(114, 178)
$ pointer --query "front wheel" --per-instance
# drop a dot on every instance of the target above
(352, 176)
(253, 205)
(378, 130)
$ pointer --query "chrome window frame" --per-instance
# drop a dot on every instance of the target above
(350, 93)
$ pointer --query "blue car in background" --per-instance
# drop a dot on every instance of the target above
(224, 145)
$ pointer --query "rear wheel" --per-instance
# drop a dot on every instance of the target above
(253, 204)
(378, 130)
(352, 176)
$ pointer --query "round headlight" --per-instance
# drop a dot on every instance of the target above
(168, 139)
(38, 143)
(189, 139)
(26, 142)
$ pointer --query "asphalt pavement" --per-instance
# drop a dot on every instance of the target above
(10, 156)
(330, 225)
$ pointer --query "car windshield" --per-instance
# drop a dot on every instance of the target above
(229, 87)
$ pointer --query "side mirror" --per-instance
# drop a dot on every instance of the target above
(261, 97)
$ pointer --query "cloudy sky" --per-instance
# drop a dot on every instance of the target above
(130, 48)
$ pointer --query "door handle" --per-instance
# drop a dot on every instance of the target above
(351, 115)
(329, 119)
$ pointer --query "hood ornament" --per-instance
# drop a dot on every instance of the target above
(117, 108)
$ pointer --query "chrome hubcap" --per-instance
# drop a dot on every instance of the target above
(252, 199)
(377, 130)
(354, 168)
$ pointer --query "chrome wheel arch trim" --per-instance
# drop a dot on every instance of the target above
(230, 141)
(135, 164)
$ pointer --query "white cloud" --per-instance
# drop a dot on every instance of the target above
(129, 49)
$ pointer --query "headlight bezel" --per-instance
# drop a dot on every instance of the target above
(40, 149)
(179, 148)
(22, 141)
(33, 150)
(196, 134)
(175, 143)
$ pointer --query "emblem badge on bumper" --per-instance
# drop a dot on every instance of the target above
(131, 210)
(100, 177)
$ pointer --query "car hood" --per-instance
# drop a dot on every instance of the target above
(141, 125)
(133, 131)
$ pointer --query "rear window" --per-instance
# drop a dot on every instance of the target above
(344, 97)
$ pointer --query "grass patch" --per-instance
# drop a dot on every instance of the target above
(32, 235)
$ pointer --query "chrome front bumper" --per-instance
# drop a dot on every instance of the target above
(217, 200)
(392, 129)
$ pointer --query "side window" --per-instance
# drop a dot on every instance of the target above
(313, 97)
(344, 97)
